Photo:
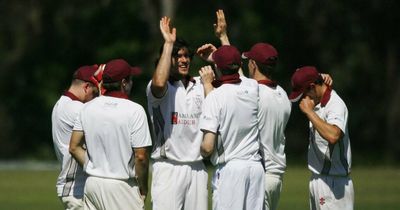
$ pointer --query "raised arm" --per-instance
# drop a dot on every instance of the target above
(220, 28)
(161, 74)
(207, 76)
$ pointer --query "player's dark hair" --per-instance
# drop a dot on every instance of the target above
(267, 69)
(114, 86)
(319, 80)
(233, 68)
(179, 44)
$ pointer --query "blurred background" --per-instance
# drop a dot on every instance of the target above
(43, 42)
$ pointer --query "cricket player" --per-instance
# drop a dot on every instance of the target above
(230, 126)
(273, 114)
(174, 103)
(329, 152)
(117, 138)
(71, 180)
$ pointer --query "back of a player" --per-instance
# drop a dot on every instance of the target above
(231, 111)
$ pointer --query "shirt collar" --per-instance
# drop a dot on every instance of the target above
(227, 79)
(326, 96)
(269, 83)
(71, 96)
(117, 94)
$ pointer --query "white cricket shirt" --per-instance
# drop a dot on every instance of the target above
(324, 158)
(71, 179)
(112, 127)
(230, 111)
(273, 113)
(175, 118)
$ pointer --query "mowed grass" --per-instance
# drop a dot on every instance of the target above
(375, 188)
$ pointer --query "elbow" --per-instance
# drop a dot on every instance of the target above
(334, 138)
(206, 151)
(72, 150)
(141, 156)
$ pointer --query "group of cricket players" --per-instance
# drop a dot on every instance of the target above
(104, 144)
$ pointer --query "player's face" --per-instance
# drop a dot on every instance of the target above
(181, 62)
(310, 92)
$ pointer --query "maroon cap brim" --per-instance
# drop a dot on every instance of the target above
(295, 95)
(245, 55)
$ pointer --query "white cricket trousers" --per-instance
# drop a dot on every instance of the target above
(331, 192)
(273, 188)
(112, 194)
(179, 186)
(238, 185)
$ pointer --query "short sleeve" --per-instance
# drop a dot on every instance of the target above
(140, 134)
(78, 122)
(152, 100)
(337, 115)
(209, 119)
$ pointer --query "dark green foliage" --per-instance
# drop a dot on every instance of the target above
(357, 42)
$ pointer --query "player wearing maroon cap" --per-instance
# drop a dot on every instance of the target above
(274, 109)
(71, 180)
(273, 114)
(329, 152)
(238, 180)
(117, 138)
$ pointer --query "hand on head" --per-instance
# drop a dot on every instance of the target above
(327, 79)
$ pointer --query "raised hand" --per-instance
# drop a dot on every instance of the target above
(205, 52)
(206, 74)
(168, 34)
(220, 28)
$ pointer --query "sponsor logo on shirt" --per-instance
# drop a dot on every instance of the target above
(174, 118)
(184, 119)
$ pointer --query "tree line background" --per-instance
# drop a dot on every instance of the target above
(42, 42)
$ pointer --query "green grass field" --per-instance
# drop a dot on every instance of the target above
(375, 189)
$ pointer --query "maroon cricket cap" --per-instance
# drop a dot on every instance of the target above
(85, 73)
(226, 56)
(301, 79)
(262, 53)
(118, 69)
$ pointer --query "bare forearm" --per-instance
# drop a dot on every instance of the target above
(329, 132)
(207, 145)
(161, 75)
(208, 88)
(76, 147)
(224, 39)
(142, 172)
(78, 153)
